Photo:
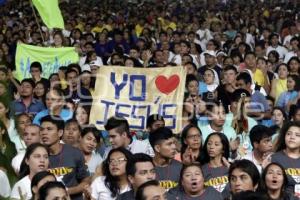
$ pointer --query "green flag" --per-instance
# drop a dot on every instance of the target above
(50, 58)
(50, 13)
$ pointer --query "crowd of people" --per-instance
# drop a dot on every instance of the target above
(241, 112)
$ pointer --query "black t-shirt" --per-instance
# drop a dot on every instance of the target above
(69, 167)
(168, 177)
(291, 166)
(224, 96)
(45, 82)
(81, 95)
(126, 196)
(179, 194)
(216, 177)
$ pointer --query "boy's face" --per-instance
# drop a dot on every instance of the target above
(264, 145)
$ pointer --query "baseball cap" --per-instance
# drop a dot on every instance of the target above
(86, 67)
(210, 52)
(95, 62)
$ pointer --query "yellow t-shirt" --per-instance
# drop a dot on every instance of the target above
(259, 77)
(280, 87)
(98, 29)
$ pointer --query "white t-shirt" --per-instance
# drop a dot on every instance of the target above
(250, 156)
(5, 187)
(16, 161)
(100, 191)
(136, 146)
(282, 51)
(25, 186)
(289, 55)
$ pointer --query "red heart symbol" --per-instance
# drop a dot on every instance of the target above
(167, 85)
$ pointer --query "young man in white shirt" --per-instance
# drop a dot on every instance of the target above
(274, 40)
(261, 141)
(119, 136)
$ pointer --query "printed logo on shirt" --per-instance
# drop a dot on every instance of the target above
(168, 184)
(294, 173)
(61, 171)
(219, 183)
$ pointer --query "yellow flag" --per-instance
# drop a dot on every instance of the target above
(50, 13)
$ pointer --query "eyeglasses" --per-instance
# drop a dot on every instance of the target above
(193, 136)
(117, 161)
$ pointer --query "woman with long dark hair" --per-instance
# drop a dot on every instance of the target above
(279, 117)
(288, 153)
(114, 180)
(289, 97)
(10, 125)
(82, 114)
(274, 182)
(191, 144)
(214, 162)
(36, 159)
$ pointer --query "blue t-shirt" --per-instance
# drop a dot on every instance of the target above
(18, 107)
(65, 115)
(285, 97)
(259, 102)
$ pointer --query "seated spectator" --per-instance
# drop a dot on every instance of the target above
(166, 167)
(114, 180)
(139, 170)
(55, 106)
(26, 103)
(192, 185)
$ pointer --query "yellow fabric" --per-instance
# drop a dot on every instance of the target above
(259, 77)
(165, 26)
(98, 29)
(80, 27)
(64, 84)
(138, 30)
(280, 87)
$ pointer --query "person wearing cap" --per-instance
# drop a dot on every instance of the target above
(212, 45)
(26, 103)
(94, 65)
(211, 63)
(261, 141)
(220, 57)
(274, 45)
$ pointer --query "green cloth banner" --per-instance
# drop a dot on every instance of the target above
(50, 13)
(50, 58)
